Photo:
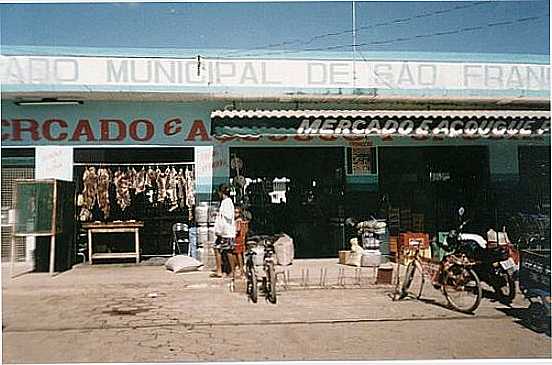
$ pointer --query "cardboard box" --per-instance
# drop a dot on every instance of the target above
(385, 275)
(344, 256)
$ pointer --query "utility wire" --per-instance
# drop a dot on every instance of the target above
(405, 39)
(362, 28)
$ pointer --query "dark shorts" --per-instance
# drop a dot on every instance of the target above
(224, 244)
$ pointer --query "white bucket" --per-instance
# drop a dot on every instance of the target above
(202, 234)
(211, 235)
(212, 214)
(202, 213)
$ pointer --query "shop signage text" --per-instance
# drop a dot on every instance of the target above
(449, 128)
(104, 130)
(19, 70)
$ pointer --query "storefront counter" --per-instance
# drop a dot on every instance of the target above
(131, 227)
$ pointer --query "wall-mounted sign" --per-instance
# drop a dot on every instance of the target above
(102, 71)
(85, 130)
(450, 127)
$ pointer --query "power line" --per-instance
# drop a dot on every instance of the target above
(362, 28)
(405, 39)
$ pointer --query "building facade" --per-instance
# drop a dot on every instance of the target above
(305, 142)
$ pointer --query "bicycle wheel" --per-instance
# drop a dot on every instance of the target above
(413, 280)
(252, 283)
(271, 284)
(462, 288)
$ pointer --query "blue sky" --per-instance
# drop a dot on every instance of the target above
(273, 28)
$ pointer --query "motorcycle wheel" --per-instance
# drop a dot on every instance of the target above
(505, 288)
(462, 288)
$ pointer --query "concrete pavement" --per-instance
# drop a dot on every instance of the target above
(127, 313)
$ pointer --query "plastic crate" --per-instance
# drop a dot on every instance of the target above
(409, 239)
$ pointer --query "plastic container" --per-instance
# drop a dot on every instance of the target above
(203, 234)
(202, 213)
(370, 258)
(211, 236)
(213, 210)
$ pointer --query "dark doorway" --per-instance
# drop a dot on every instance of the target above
(436, 181)
(297, 191)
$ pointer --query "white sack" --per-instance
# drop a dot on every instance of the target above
(182, 263)
(284, 249)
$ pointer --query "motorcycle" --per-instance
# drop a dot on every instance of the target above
(494, 264)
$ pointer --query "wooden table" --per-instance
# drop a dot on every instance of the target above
(114, 227)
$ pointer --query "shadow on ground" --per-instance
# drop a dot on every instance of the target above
(523, 317)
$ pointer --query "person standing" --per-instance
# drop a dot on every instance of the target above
(242, 227)
(225, 230)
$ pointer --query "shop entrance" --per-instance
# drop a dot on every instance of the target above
(431, 183)
(154, 186)
(297, 191)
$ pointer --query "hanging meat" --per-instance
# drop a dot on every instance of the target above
(89, 179)
(172, 189)
(151, 185)
(162, 184)
(181, 188)
(141, 181)
(122, 186)
(104, 179)
(132, 175)
(190, 191)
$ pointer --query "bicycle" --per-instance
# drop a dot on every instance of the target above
(269, 280)
(454, 277)
(269, 270)
(250, 273)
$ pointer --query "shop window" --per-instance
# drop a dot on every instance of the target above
(152, 185)
(17, 164)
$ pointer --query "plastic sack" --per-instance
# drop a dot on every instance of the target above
(356, 253)
(182, 263)
(284, 250)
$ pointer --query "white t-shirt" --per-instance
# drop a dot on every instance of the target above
(226, 213)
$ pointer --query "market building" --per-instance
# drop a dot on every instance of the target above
(306, 141)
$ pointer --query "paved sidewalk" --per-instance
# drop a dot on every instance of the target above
(144, 304)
